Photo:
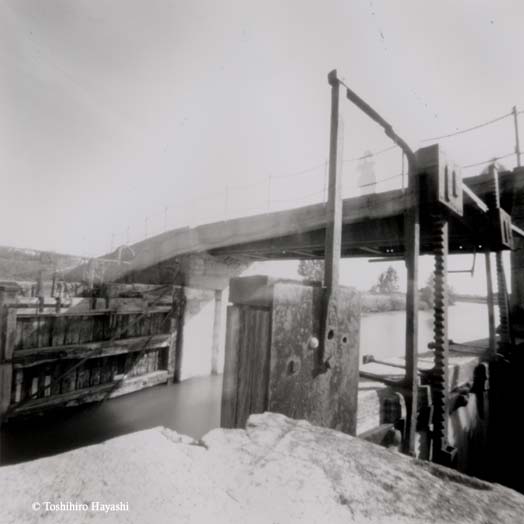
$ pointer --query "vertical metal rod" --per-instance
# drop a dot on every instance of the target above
(517, 138)
(493, 201)
(491, 304)
(412, 233)
(506, 338)
(333, 230)
(40, 284)
(226, 202)
(269, 193)
(402, 172)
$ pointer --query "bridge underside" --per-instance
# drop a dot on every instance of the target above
(374, 227)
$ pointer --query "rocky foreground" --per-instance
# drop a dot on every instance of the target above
(278, 470)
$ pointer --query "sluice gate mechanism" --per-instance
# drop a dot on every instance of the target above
(294, 347)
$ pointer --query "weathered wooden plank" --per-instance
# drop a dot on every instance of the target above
(245, 368)
(130, 365)
(94, 393)
(56, 384)
(32, 356)
(10, 334)
(84, 329)
(17, 390)
(29, 332)
(70, 332)
(69, 380)
(82, 376)
(59, 329)
(6, 378)
(47, 375)
(45, 331)
(260, 362)
(123, 326)
(95, 372)
(106, 366)
(19, 335)
(230, 380)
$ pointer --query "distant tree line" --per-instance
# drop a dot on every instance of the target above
(387, 284)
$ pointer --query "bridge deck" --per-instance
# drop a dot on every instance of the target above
(373, 226)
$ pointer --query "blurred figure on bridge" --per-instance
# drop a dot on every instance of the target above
(366, 180)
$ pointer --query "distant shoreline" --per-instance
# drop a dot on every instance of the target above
(381, 302)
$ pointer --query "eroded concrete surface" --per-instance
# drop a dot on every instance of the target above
(278, 470)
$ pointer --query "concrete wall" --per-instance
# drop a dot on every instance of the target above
(197, 344)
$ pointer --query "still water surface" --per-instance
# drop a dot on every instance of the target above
(383, 334)
(193, 406)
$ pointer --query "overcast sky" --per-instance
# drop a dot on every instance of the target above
(122, 117)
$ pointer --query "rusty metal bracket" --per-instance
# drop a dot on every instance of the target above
(441, 185)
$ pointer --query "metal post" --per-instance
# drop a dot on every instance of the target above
(505, 339)
(333, 240)
(517, 141)
(269, 193)
(412, 233)
(491, 305)
(226, 202)
(402, 173)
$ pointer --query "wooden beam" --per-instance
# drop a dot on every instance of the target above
(94, 393)
(35, 356)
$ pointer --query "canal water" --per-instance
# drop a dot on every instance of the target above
(193, 406)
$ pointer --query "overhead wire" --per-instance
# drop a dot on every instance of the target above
(468, 129)
(372, 154)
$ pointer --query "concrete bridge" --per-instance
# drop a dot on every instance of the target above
(373, 226)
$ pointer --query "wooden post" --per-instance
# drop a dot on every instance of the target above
(333, 233)
(7, 340)
(217, 322)
(40, 284)
(491, 305)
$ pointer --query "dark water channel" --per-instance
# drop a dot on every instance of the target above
(191, 407)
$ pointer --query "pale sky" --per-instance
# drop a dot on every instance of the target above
(121, 117)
